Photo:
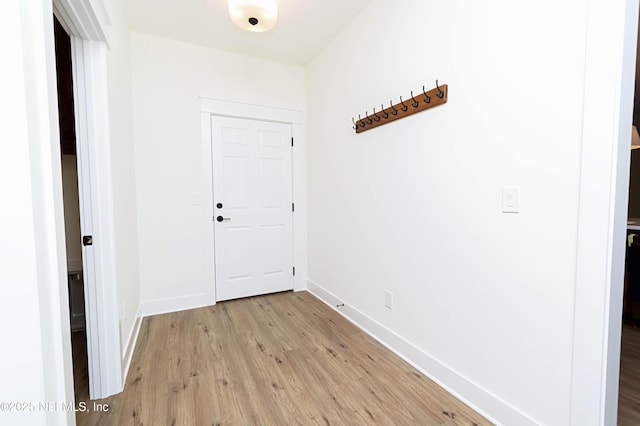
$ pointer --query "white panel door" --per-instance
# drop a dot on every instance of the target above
(252, 197)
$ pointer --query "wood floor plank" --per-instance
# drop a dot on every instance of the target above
(232, 363)
(277, 359)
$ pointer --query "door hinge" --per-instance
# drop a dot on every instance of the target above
(294, 271)
(292, 141)
(293, 207)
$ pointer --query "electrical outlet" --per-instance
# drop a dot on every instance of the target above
(388, 299)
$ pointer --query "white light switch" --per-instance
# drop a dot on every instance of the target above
(511, 199)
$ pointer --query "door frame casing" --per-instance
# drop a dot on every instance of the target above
(602, 214)
(217, 107)
(37, 96)
(84, 22)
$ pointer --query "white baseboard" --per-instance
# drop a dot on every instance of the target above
(175, 304)
(484, 402)
(131, 345)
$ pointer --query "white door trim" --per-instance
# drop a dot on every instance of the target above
(249, 111)
(209, 107)
(89, 49)
(82, 19)
(602, 215)
(34, 40)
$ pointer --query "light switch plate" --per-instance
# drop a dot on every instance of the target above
(511, 199)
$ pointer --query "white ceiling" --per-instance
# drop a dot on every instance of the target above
(304, 26)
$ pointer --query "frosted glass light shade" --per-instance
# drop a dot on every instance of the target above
(254, 15)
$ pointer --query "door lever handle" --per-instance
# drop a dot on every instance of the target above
(223, 219)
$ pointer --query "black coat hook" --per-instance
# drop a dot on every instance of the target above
(354, 123)
(377, 118)
(395, 111)
(360, 122)
(415, 103)
(369, 120)
(427, 98)
(440, 92)
(404, 107)
(385, 114)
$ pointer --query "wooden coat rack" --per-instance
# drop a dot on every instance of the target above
(404, 108)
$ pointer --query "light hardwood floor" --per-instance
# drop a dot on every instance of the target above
(279, 359)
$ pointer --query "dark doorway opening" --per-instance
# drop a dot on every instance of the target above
(66, 122)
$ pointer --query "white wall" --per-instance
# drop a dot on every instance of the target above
(123, 169)
(414, 207)
(168, 77)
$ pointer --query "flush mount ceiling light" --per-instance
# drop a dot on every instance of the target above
(254, 15)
